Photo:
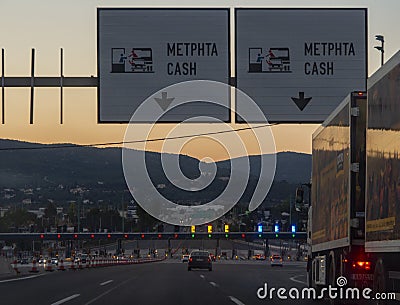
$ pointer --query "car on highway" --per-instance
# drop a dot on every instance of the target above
(276, 260)
(24, 261)
(200, 260)
(54, 261)
(185, 258)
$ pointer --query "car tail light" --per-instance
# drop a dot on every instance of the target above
(190, 259)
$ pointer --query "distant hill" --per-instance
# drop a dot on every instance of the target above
(43, 164)
(40, 165)
(290, 166)
(100, 170)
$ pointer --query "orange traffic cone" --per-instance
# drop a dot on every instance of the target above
(34, 267)
(49, 267)
(61, 266)
(15, 267)
(72, 266)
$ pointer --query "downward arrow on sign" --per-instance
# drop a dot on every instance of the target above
(164, 102)
(301, 102)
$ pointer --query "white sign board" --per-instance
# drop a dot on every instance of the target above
(141, 51)
(299, 64)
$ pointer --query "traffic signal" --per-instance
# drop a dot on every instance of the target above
(209, 228)
(226, 228)
(193, 229)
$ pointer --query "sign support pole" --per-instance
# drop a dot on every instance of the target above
(32, 85)
(61, 87)
(2, 88)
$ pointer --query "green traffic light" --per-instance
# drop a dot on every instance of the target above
(293, 235)
(226, 235)
(209, 235)
(276, 235)
(259, 235)
(192, 235)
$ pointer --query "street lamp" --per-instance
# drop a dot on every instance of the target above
(380, 48)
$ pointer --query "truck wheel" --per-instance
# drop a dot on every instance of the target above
(380, 281)
(332, 279)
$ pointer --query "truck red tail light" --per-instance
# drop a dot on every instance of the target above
(362, 265)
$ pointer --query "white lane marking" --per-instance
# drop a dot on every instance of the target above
(213, 284)
(66, 299)
(293, 278)
(106, 282)
(202, 276)
(107, 292)
(236, 301)
(22, 278)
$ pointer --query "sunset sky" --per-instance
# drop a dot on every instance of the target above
(48, 25)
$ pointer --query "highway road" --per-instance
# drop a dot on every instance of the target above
(166, 282)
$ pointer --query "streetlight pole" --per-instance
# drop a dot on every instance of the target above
(381, 47)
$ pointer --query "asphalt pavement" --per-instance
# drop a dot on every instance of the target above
(166, 282)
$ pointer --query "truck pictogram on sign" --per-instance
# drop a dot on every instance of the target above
(138, 60)
(274, 60)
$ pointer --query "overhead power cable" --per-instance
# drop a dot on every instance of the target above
(59, 146)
